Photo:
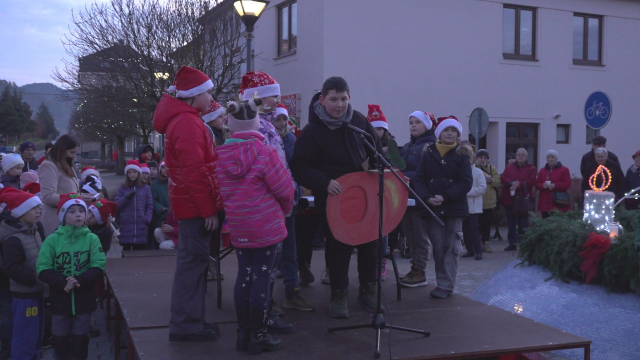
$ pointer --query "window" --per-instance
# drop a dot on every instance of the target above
(287, 28)
(587, 39)
(518, 33)
(562, 133)
(523, 135)
(591, 133)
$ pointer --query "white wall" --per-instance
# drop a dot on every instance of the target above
(445, 57)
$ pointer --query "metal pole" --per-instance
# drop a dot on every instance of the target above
(249, 59)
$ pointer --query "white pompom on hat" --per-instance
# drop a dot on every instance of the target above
(190, 82)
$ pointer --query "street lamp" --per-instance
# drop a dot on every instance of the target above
(250, 11)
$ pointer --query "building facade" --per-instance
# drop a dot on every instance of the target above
(531, 64)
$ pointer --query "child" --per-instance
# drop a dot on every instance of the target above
(442, 181)
(470, 230)
(379, 122)
(146, 172)
(12, 165)
(71, 261)
(214, 118)
(99, 219)
(325, 151)
(253, 178)
(160, 194)
(91, 177)
(21, 243)
(30, 176)
(167, 233)
(153, 171)
(136, 207)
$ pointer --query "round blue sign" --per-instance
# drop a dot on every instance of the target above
(597, 110)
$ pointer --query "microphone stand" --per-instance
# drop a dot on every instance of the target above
(378, 323)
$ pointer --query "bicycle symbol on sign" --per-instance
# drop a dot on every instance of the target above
(597, 110)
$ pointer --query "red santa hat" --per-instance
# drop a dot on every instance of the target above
(376, 117)
(18, 202)
(190, 82)
(281, 110)
(214, 111)
(67, 201)
(145, 169)
(132, 165)
(428, 119)
(446, 122)
(32, 188)
(162, 163)
(89, 170)
(104, 211)
(260, 82)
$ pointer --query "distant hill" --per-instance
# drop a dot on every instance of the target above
(36, 94)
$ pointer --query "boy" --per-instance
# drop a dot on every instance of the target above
(153, 171)
(71, 261)
(20, 243)
(99, 218)
(325, 151)
(11, 170)
(443, 179)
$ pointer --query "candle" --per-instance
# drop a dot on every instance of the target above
(613, 232)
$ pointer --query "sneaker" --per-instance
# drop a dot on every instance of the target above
(338, 307)
(297, 302)
(213, 275)
(368, 297)
(511, 247)
(439, 293)
(486, 248)
(306, 276)
(275, 310)
(414, 279)
(325, 277)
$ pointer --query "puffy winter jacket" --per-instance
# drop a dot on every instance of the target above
(474, 196)
(560, 177)
(289, 141)
(271, 136)
(71, 252)
(135, 214)
(412, 152)
(449, 176)
(257, 190)
(10, 181)
(490, 197)
(190, 158)
(20, 254)
(525, 174)
(160, 194)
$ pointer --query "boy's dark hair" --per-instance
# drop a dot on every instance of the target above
(335, 83)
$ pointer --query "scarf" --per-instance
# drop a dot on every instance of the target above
(326, 119)
(444, 149)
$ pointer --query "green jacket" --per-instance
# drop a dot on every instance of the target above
(160, 194)
(490, 197)
(71, 252)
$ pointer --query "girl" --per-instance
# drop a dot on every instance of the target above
(160, 194)
(135, 206)
(146, 172)
(12, 165)
(421, 126)
(470, 230)
(442, 180)
(214, 118)
(252, 178)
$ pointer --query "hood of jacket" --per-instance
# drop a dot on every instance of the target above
(238, 153)
(428, 137)
(11, 226)
(167, 110)
(69, 232)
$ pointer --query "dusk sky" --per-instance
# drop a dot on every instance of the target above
(30, 38)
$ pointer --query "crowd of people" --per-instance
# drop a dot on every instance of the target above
(240, 171)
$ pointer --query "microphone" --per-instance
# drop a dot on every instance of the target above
(358, 130)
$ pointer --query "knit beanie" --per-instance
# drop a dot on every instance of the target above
(244, 116)
(428, 119)
(9, 161)
(554, 153)
(26, 145)
(482, 152)
(30, 176)
(447, 122)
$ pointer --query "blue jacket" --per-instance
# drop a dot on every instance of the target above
(135, 214)
(412, 152)
(289, 141)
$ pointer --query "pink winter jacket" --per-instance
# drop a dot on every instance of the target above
(256, 189)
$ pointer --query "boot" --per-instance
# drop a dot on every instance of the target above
(338, 307)
(259, 339)
(306, 276)
(275, 324)
(244, 329)
(368, 297)
(79, 349)
(60, 346)
(294, 300)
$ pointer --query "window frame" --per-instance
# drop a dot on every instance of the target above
(521, 142)
(279, 42)
(585, 40)
(567, 130)
(534, 30)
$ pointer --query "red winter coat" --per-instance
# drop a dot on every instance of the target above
(560, 177)
(525, 173)
(190, 159)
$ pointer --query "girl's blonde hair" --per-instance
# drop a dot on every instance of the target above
(466, 149)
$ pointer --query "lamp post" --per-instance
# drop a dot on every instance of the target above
(250, 11)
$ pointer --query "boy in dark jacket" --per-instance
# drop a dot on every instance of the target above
(325, 151)
(442, 180)
(21, 243)
(99, 218)
(71, 261)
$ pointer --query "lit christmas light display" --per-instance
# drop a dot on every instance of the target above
(604, 174)
(599, 209)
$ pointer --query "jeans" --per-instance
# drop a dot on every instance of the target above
(289, 260)
(513, 221)
(470, 232)
(447, 244)
(6, 329)
(415, 231)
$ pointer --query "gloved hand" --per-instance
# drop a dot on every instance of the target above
(130, 195)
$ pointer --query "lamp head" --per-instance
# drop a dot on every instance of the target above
(250, 11)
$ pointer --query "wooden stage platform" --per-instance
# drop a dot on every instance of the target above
(460, 327)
